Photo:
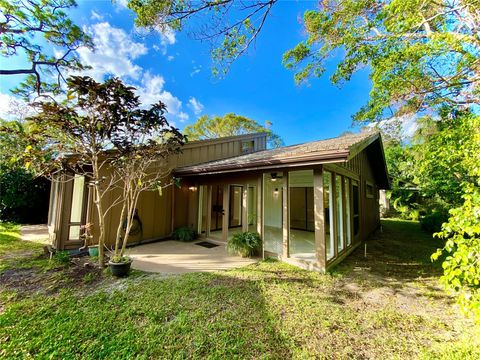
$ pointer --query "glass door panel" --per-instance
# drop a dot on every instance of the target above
(252, 208)
(302, 231)
(339, 212)
(356, 208)
(273, 212)
(348, 212)
(328, 206)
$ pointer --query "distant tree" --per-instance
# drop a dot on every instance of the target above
(212, 127)
(23, 196)
(27, 29)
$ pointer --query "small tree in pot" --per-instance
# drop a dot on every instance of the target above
(144, 145)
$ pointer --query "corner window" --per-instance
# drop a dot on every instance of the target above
(369, 190)
(356, 208)
(248, 146)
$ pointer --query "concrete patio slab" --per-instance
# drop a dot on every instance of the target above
(37, 233)
(175, 257)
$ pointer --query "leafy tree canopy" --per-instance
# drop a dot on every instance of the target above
(422, 54)
(25, 26)
(212, 127)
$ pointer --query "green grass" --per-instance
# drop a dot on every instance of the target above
(10, 240)
(16, 253)
(388, 305)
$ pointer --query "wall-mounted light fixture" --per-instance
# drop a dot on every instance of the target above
(192, 188)
(275, 192)
(273, 175)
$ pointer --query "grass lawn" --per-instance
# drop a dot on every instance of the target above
(387, 305)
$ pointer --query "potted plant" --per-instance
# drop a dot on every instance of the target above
(120, 265)
(246, 244)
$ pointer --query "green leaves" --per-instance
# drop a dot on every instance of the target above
(25, 27)
(421, 54)
(208, 127)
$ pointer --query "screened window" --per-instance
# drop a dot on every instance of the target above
(248, 146)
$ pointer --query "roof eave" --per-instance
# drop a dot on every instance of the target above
(297, 161)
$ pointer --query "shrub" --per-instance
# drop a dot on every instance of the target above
(184, 233)
(245, 244)
(433, 221)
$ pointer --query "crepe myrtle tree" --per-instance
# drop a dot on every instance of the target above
(86, 135)
(143, 147)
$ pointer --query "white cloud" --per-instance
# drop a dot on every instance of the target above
(196, 70)
(14, 108)
(114, 52)
(195, 105)
(152, 90)
(170, 57)
(183, 116)
(167, 38)
(95, 16)
(406, 125)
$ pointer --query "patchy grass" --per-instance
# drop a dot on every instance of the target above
(25, 268)
(388, 305)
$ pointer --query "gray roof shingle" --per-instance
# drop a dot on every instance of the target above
(329, 149)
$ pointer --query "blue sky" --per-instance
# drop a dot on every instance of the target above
(177, 70)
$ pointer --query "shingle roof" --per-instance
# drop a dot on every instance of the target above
(330, 150)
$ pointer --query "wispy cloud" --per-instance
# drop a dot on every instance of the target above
(195, 105)
(95, 16)
(114, 53)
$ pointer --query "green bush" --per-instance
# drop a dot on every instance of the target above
(433, 221)
(245, 244)
(184, 233)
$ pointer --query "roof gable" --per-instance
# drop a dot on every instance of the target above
(334, 150)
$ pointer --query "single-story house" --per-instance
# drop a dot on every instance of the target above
(312, 203)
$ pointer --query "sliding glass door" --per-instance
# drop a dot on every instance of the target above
(301, 210)
(273, 212)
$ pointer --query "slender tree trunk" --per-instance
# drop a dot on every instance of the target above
(119, 228)
(101, 219)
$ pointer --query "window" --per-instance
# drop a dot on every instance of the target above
(356, 208)
(328, 206)
(339, 213)
(348, 211)
(369, 190)
(77, 207)
(248, 146)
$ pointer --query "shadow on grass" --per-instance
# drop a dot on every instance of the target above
(188, 316)
(398, 256)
